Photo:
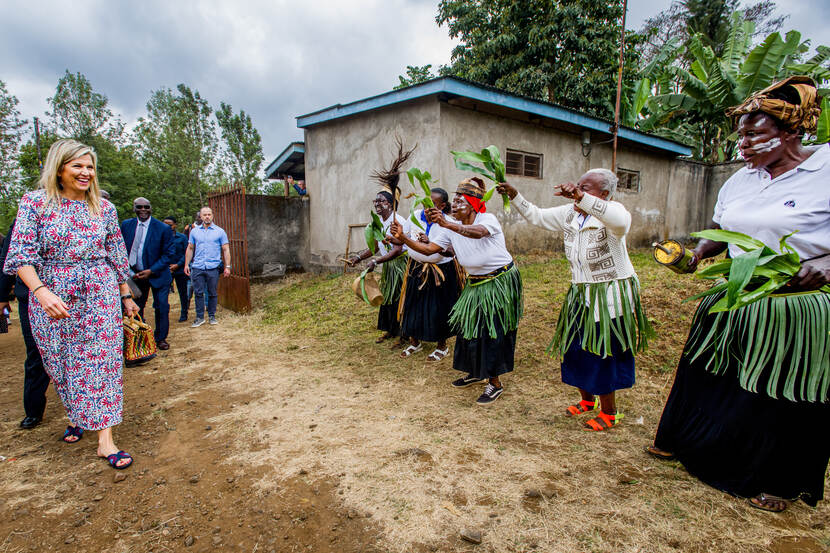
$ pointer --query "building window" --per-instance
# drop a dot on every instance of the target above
(524, 164)
(629, 180)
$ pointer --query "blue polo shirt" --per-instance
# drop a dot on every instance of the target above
(207, 243)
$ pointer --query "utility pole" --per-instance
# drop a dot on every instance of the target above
(619, 89)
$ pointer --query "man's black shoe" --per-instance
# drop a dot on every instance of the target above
(182, 319)
(29, 422)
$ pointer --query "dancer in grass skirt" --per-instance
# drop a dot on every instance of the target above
(750, 406)
(487, 313)
(392, 259)
(602, 323)
(430, 289)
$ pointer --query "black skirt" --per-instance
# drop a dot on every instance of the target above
(388, 319)
(741, 442)
(485, 357)
(426, 310)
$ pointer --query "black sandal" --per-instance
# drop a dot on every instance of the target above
(76, 431)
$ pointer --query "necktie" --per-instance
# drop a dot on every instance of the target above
(135, 261)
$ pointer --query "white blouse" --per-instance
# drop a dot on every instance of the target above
(413, 231)
(383, 249)
(753, 203)
(478, 256)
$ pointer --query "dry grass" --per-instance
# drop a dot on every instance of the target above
(424, 462)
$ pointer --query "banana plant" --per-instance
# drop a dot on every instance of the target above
(493, 169)
(690, 104)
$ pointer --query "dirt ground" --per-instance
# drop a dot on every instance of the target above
(288, 430)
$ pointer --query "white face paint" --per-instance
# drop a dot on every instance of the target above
(765, 147)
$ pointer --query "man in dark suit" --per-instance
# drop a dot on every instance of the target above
(177, 268)
(35, 379)
(150, 246)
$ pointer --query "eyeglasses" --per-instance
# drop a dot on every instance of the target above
(142, 207)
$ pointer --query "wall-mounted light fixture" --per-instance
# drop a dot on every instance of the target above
(586, 143)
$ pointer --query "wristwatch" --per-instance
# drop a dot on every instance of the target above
(126, 297)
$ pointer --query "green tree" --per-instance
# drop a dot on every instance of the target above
(414, 75)
(177, 142)
(710, 18)
(11, 134)
(691, 104)
(563, 51)
(78, 111)
(243, 147)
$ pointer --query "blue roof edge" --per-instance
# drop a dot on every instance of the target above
(490, 95)
(280, 159)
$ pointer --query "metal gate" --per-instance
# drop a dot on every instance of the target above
(228, 206)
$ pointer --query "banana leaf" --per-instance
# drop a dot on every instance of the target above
(374, 233)
(494, 168)
(740, 272)
(741, 240)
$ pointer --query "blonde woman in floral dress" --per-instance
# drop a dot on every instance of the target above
(67, 248)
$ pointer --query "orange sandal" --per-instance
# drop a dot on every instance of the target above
(603, 422)
(582, 407)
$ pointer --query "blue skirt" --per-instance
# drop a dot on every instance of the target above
(594, 374)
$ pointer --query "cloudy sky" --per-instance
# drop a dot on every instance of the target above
(275, 59)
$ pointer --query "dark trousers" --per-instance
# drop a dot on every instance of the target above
(205, 281)
(35, 379)
(161, 305)
(182, 281)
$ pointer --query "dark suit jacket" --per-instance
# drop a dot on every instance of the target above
(179, 248)
(9, 282)
(158, 249)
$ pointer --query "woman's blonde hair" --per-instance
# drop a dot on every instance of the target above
(62, 152)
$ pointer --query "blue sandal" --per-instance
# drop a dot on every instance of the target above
(116, 457)
(76, 431)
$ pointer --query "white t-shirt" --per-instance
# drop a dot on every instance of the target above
(435, 230)
(478, 256)
(753, 203)
(383, 249)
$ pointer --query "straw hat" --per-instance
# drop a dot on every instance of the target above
(372, 289)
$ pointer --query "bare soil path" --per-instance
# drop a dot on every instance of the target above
(183, 491)
(289, 430)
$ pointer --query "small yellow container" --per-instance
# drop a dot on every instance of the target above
(673, 255)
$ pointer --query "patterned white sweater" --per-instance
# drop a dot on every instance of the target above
(597, 251)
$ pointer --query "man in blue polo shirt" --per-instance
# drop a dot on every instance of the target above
(206, 246)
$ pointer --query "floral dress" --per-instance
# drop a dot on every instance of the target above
(81, 258)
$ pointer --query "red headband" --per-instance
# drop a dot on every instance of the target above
(477, 204)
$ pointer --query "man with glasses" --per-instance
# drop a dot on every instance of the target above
(151, 247)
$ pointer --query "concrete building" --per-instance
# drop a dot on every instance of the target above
(543, 145)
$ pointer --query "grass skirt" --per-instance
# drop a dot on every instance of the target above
(739, 441)
(390, 286)
(578, 318)
(427, 302)
(486, 317)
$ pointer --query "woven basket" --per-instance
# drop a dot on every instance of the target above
(373, 293)
(139, 343)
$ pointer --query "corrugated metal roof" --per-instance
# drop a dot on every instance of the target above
(289, 161)
(483, 93)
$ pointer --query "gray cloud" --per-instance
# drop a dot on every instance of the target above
(275, 59)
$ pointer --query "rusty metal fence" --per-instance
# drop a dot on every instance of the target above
(228, 206)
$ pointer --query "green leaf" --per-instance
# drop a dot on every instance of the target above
(488, 195)
(368, 233)
(415, 220)
(740, 239)
(473, 168)
(739, 274)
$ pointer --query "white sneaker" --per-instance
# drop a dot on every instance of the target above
(213, 321)
(197, 322)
